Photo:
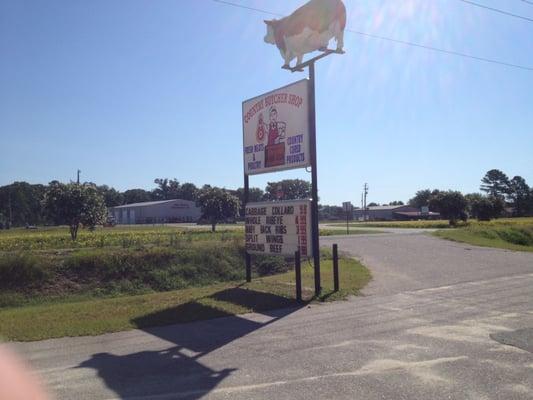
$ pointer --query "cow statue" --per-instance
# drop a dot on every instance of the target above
(309, 28)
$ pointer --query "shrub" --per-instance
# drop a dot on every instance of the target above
(268, 265)
(19, 271)
(522, 237)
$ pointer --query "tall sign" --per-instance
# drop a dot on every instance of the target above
(276, 130)
(280, 126)
(279, 228)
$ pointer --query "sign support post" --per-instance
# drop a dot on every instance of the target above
(312, 147)
(314, 178)
(298, 271)
(247, 255)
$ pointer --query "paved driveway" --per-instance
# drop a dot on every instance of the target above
(414, 260)
(439, 322)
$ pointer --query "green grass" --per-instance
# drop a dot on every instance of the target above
(98, 316)
(129, 277)
(440, 224)
(110, 272)
(518, 237)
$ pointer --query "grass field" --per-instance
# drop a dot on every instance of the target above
(505, 234)
(57, 238)
(439, 224)
(128, 277)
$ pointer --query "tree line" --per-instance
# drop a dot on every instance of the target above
(501, 196)
(23, 204)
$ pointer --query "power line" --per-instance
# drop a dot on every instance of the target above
(229, 3)
(498, 10)
(528, 2)
(397, 41)
(450, 52)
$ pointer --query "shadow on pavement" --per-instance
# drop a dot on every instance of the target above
(177, 370)
(521, 338)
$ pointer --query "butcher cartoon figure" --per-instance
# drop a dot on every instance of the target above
(276, 130)
(261, 129)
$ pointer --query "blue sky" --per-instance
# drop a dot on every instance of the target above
(128, 91)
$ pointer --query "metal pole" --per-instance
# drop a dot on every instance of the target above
(247, 257)
(298, 271)
(335, 268)
(314, 178)
(347, 226)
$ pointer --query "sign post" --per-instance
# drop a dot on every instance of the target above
(348, 209)
(314, 179)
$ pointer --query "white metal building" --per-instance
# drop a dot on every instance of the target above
(157, 212)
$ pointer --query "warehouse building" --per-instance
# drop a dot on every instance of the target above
(156, 212)
(393, 213)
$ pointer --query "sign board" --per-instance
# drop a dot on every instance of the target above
(347, 207)
(425, 210)
(276, 130)
(278, 228)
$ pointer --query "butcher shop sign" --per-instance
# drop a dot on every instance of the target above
(276, 130)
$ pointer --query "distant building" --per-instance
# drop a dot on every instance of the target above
(393, 213)
(156, 212)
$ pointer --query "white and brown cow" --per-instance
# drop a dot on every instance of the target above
(309, 28)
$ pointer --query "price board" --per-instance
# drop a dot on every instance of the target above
(279, 228)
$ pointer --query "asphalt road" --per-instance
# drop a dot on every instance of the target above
(410, 260)
(440, 321)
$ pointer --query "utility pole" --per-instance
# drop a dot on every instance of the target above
(362, 206)
(366, 194)
(78, 177)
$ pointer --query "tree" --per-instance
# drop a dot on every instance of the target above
(112, 197)
(451, 205)
(254, 195)
(74, 205)
(218, 205)
(519, 194)
(422, 198)
(136, 196)
(495, 183)
(372, 204)
(188, 191)
(396, 203)
(168, 189)
(288, 189)
(330, 213)
(484, 208)
(20, 203)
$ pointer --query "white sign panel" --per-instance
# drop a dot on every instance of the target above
(276, 130)
(278, 228)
